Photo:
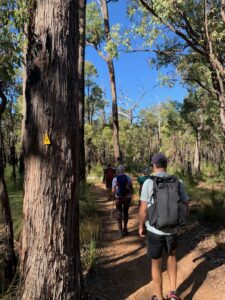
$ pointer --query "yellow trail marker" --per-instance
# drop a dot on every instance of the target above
(46, 139)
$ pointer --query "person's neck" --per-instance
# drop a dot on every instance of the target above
(159, 170)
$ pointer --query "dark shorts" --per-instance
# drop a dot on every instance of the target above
(156, 244)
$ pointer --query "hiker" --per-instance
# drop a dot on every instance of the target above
(122, 190)
(164, 207)
(141, 179)
(109, 174)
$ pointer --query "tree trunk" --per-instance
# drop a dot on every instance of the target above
(115, 121)
(9, 254)
(197, 153)
(218, 84)
(13, 160)
(81, 60)
(50, 260)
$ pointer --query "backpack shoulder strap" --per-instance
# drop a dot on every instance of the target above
(154, 179)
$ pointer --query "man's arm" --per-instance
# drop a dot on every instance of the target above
(143, 212)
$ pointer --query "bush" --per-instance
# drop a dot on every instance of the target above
(91, 234)
(91, 237)
(97, 171)
(87, 203)
(213, 209)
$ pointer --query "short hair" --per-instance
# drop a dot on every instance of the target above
(161, 164)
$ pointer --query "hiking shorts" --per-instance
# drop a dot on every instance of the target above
(156, 244)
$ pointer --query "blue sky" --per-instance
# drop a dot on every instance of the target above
(134, 75)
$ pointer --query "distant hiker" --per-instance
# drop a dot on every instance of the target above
(109, 174)
(141, 179)
(164, 207)
(122, 190)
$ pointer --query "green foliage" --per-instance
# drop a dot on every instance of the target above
(176, 32)
(94, 25)
(87, 203)
(97, 171)
(12, 16)
(91, 238)
(213, 209)
(95, 35)
(91, 234)
(15, 192)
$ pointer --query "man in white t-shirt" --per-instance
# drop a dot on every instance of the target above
(159, 240)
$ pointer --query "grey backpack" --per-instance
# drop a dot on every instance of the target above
(168, 210)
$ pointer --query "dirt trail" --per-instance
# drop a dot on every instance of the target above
(124, 272)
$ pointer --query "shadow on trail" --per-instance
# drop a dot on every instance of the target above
(199, 274)
(118, 277)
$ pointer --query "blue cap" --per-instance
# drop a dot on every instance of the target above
(159, 158)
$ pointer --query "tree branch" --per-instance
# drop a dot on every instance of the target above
(198, 81)
(194, 35)
(173, 29)
(98, 50)
(155, 51)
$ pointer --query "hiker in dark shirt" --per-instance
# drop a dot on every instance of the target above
(122, 191)
(109, 174)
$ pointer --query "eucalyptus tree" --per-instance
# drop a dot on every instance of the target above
(50, 260)
(103, 38)
(184, 31)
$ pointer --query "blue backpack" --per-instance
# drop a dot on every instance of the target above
(122, 186)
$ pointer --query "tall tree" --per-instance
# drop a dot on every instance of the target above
(111, 69)
(82, 17)
(97, 33)
(50, 260)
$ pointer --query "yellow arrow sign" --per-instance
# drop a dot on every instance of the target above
(46, 139)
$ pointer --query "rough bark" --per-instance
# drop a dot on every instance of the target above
(115, 121)
(81, 60)
(9, 255)
(50, 260)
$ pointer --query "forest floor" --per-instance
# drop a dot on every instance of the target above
(124, 268)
